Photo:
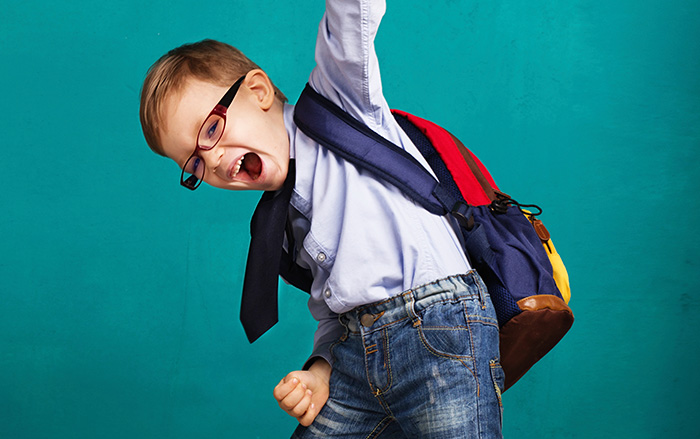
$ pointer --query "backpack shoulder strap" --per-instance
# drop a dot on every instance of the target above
(329, 125)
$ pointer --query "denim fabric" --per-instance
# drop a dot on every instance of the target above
(423, 364)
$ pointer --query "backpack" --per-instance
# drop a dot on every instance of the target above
(507, 245)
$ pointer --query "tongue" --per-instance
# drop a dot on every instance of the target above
(253, 165)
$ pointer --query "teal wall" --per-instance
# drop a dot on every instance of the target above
(120, 291)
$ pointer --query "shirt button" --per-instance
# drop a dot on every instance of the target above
(321, 257)
(327, 293)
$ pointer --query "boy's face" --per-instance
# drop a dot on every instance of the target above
(253, 152)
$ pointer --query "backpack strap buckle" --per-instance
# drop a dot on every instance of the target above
(463, 212)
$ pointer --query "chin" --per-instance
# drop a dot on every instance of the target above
(275, 180)
(273, 186)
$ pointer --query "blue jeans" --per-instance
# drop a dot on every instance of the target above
(423, 364)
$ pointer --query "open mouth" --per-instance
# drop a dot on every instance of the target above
(248, 167)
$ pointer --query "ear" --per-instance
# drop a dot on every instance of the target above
(261, 89)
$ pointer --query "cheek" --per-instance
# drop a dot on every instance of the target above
(177, 149)
(281, 147)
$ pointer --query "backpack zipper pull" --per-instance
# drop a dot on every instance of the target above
(542, 231)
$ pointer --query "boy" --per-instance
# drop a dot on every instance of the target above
(407, 341)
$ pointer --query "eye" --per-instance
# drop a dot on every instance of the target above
(211, 132)
(193, 165)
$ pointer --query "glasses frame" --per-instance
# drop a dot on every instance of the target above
(193, 182)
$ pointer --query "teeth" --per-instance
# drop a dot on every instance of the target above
(237, 168)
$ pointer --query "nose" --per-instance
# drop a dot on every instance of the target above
(212, 157)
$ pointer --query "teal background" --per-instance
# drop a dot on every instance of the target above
(120, 290)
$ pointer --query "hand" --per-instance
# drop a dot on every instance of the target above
(303, 393)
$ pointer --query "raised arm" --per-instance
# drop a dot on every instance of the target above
(347, 70)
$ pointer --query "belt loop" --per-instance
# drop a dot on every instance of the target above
(480, 287)
(343, 319)
(349, 320)
(409, 304)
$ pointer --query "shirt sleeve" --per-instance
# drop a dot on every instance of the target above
(328, 332)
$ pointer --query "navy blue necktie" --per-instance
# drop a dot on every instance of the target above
(267, 228)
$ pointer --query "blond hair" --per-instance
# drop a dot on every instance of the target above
(206, 60)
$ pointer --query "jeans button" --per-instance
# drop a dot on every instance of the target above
(367, 320)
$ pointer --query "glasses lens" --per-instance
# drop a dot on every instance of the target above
(211, 131)
(193, 172)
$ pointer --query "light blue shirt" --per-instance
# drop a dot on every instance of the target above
(362, 238)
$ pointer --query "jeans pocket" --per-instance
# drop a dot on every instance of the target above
(498, 377)
(443, 330)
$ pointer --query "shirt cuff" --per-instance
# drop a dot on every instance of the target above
(320, 351)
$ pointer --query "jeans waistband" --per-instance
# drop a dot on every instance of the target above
(376, 315)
